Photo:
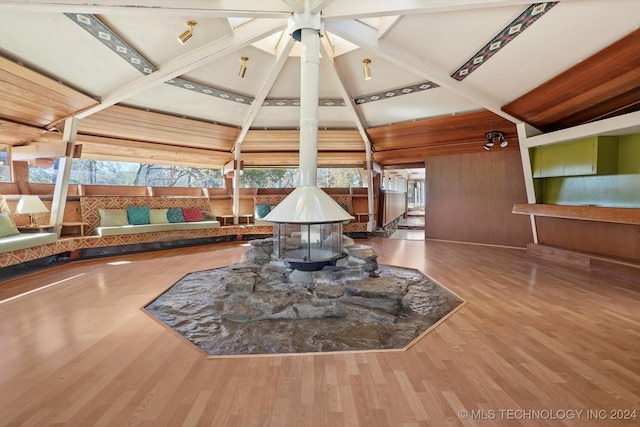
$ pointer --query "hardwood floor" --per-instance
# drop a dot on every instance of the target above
(534, 339)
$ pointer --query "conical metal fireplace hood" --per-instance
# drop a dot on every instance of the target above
(308, 204)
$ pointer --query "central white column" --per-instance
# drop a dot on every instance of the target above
(309, 85)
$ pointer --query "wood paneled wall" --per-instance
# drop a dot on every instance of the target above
(394, 204)
(608, 239)
(469, 198)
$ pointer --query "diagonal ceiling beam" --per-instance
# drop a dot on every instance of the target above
(295, 5)
(201, 8)
(244, 35)
(320, 5)
(367, 38)
(265, 86)
(377, 8)
(386, 24)
(326, 50)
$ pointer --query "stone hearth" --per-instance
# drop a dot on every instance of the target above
(263, 306)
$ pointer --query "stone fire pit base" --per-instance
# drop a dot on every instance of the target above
(261, 306)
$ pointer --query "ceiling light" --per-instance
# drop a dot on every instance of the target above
(367, 70)
(495, 137)
(243, 67)
(184, 37)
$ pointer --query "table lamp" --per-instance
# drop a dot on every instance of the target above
(31, 205)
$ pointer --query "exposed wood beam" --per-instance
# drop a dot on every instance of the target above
(201, 8)
(367, 38)
(245, 35)
(36, 150)
(378, 8)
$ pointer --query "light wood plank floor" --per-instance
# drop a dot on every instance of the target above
(533, 337)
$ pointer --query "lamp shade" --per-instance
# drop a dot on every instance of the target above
(30, 205)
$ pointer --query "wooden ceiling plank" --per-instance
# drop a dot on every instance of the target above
(150, 134)
(619, 62)
(21, 76)
(116, 115)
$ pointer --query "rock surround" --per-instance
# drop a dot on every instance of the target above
(263, 306)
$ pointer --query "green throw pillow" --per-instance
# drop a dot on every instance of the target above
(7, 227)
(158, 216)
(262, 211)
(175, 215)
(138, 215)
(113, 217)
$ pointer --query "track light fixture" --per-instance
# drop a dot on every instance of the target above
(243, 67)
(495, 137)
(367, 70)
(184, 37)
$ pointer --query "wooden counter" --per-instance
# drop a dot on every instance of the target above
(587, 213)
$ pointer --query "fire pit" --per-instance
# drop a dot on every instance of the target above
(307, 230)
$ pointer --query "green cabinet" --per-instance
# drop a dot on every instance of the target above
(597, 155)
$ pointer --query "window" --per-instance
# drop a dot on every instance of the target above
(5, 168)
(124, 173)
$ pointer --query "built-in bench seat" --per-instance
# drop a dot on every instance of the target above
(26, 241)
(151, 228)
(24, 247)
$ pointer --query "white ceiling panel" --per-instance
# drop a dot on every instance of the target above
(429, 103)
(54, 44)
(181, 102)
(448, 39)
(573, 31)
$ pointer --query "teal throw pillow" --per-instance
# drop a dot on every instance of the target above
(345, 207)
(175, 215)
(262, 211)
(138, 215)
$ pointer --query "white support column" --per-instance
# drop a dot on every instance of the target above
(309, 83)
(236, 183)
(371, 224)
(69, 134)
(528, 173)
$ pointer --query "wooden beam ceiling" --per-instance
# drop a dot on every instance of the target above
(139, 125)
(604, 85)
(29, 98)
(461, 133)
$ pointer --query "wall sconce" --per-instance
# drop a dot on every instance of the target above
(495, 137)
(243, 66)
(366, 69)
(184, 37)
(31, 205)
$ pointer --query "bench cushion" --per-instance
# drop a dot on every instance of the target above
(25, 241)
(150, 228)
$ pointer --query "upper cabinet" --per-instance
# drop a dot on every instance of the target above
(597, 155)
